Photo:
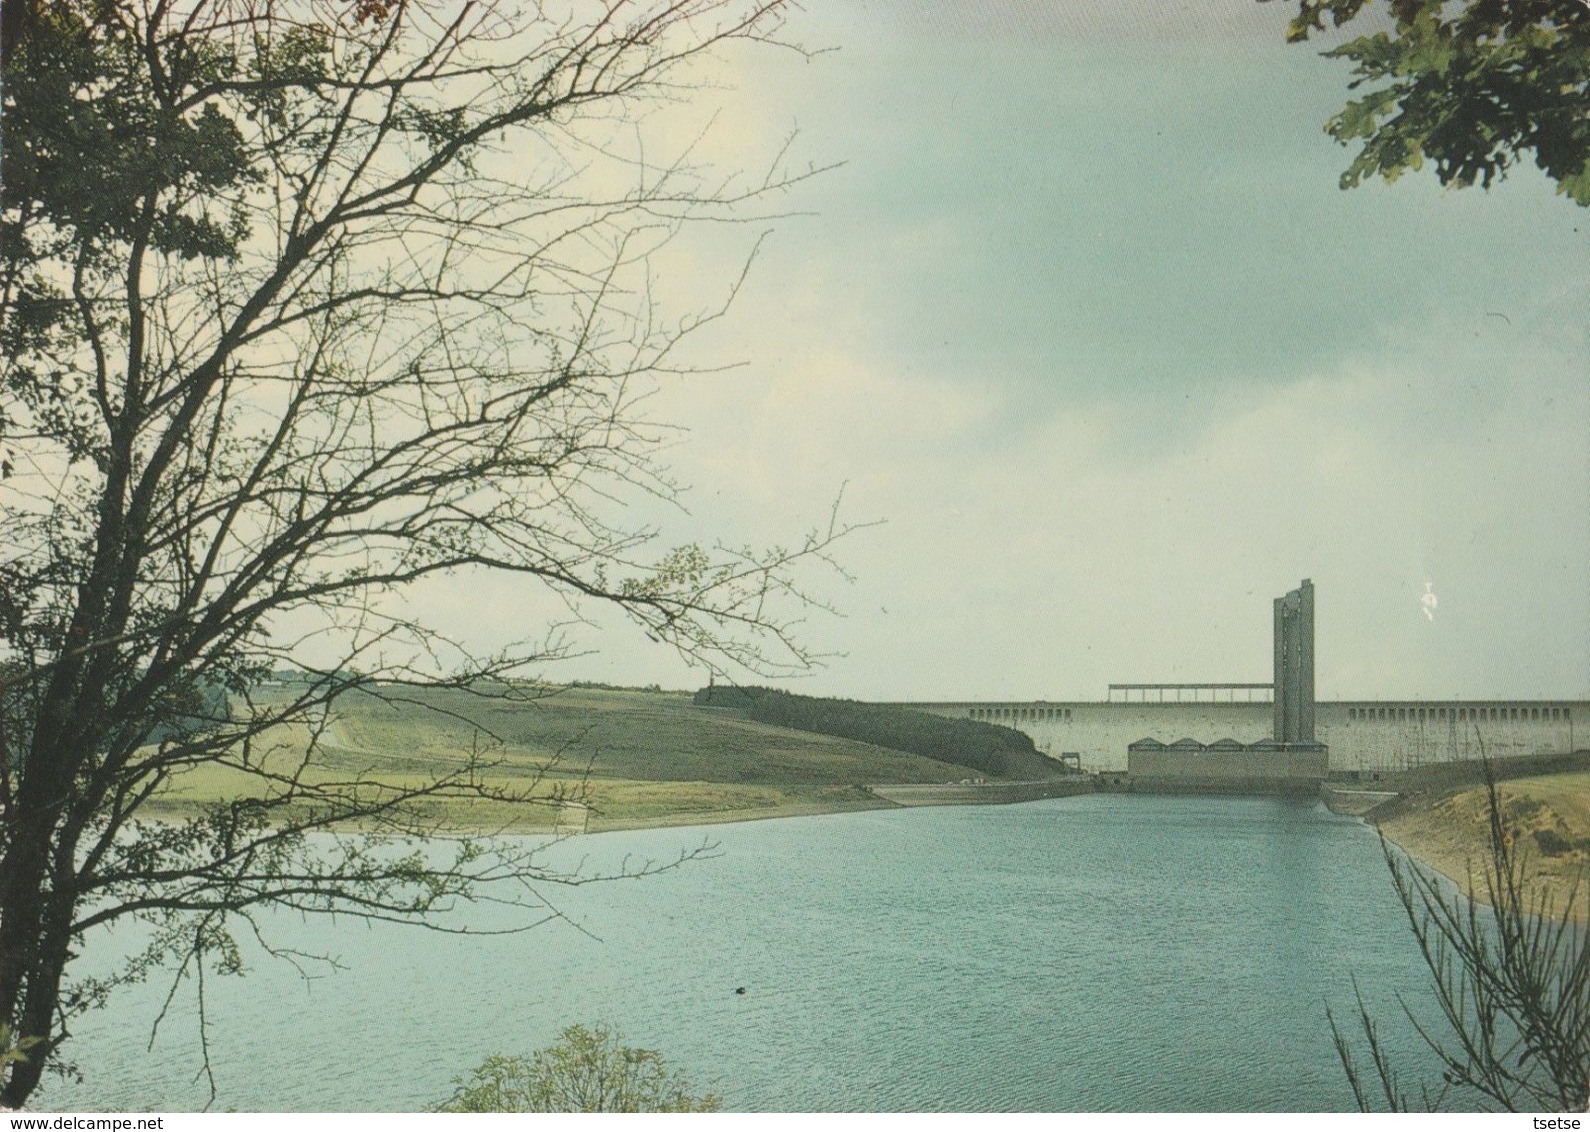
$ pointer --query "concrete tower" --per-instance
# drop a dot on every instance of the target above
(1294, 665)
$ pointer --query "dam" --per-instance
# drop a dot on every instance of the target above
(1360, 739)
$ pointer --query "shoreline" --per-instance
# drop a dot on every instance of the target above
(682, 819)
(172, 815)
(1473, 886)
(857, 799)
(1426, 828)
(883, 796)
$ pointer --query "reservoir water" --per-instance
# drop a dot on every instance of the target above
(1096, 953)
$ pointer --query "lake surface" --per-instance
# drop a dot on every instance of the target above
(1097, 953)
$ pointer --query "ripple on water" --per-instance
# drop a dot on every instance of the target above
(1088, 954)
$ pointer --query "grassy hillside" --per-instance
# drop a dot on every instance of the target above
(984, 748)
(639, 758)
(1548, 817)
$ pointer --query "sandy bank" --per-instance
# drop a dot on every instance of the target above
(1547, 817)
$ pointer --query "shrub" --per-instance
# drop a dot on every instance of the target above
(1552, 843)
(586, 1071)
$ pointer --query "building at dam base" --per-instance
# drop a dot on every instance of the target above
(1265, 733)
(1227, 766)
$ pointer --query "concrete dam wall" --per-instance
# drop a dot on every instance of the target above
(1208, 726)
(1363, 736)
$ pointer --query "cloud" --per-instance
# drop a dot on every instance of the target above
(1144, 540)
(1085, 320)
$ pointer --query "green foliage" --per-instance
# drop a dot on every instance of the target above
(1552, 843)
(126, 163)
(586, 1071)
(1472, 88)
(12, 1048)
(984, 747)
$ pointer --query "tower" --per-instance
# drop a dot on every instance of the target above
(1294, 665)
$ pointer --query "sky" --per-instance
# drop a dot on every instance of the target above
(1081, 328)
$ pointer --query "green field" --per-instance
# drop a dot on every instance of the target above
(631, 758)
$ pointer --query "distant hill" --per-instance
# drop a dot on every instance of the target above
(630, 757)
(984, 747)
(635, 757)
(653, 736)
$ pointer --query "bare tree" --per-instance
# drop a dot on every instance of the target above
(305, 302)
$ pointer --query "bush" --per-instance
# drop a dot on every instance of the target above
(586, 1071)
(1552, 843)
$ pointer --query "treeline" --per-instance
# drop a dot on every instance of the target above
(190, 709)
(983, 747)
